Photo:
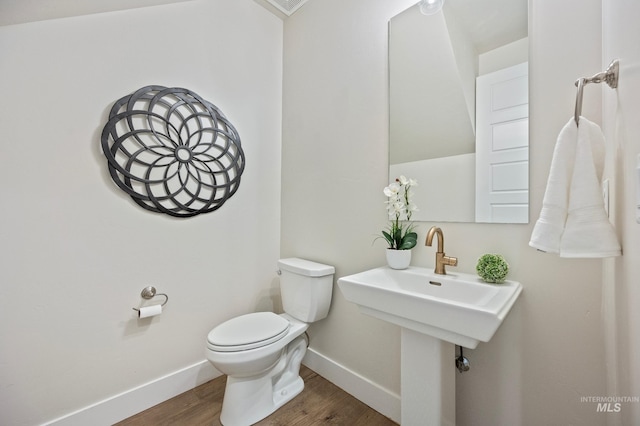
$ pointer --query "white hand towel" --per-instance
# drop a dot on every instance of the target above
(553, 216)
(573, 222)
(588, 232)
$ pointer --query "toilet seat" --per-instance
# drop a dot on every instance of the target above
(248, 331)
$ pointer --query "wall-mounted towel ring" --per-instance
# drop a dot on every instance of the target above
(610, 76)
(149, 293)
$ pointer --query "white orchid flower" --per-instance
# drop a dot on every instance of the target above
(396, 207)
(392, 190)
(399, 207)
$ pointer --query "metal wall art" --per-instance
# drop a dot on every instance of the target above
(172, 151)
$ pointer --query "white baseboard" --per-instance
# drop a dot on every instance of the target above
(133, 401)
(375, 396)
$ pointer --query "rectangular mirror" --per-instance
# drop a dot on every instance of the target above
(458, 114)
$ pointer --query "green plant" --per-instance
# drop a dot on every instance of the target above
(400, 236)
(492, 268)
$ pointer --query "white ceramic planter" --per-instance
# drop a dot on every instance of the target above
(398, 259)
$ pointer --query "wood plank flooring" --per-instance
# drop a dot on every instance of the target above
(320, 403)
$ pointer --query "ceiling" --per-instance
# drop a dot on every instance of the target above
(491, 22)
(23, 11)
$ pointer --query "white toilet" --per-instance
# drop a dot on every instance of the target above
(261, 352)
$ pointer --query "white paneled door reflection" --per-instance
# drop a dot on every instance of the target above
(502, 146)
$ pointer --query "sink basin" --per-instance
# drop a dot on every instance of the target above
(457, 308)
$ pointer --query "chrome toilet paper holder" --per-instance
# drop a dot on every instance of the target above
(149, 293)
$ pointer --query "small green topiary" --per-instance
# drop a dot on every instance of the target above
(492, 268)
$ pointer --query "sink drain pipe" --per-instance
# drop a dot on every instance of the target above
(462, 363)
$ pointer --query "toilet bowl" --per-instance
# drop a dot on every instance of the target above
(261, 352)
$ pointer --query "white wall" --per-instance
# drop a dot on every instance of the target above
(459, 190)
(549, 352)
(621, 292)
(417, 106)
(335, 165)
(75, 251)
(505, 56)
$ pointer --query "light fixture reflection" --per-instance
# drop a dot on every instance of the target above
(430, 7)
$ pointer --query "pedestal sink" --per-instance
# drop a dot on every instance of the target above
(436, 312)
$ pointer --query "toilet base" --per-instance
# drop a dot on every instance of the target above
(247, 400)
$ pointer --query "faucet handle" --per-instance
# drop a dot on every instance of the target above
(450, 261)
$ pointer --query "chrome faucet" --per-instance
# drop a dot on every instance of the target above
(441, 259)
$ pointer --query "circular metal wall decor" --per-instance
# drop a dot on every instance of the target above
(172, 151)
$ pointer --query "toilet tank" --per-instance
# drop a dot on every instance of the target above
(305, 288)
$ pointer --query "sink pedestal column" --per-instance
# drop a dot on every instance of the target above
(428, 392)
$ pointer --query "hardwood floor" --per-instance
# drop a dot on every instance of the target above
(320, 403)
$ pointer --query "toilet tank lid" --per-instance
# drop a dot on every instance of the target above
(305, 267)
